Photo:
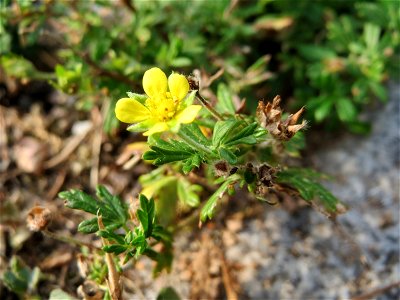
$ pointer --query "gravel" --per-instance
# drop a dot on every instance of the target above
(303, 256)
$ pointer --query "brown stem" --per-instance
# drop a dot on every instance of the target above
(114, 281)
(209, 107)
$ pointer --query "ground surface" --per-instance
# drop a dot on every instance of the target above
(250, 251)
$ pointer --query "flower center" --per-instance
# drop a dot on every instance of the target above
(163, 107)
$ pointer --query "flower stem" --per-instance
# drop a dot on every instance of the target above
(209, 107)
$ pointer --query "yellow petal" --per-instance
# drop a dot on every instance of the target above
(178, 86)
(129, 110)
(158, 127)
(155, 82)
(188, 114)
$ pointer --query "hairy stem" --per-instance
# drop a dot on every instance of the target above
(209, 107)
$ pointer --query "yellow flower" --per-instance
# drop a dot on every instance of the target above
(163, 109)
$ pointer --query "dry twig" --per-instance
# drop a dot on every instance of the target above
(114, 281)
(69, 148)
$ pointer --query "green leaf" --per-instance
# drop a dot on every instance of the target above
(89, 226)
(234, 132)
(316, 53)
(323, 110)
(109, 235)
(19, 278)
(77, 199)
(191, 163)
(371, 35)
(360, 127)
(146, 214)
(115, 208)
(193, 131)
(140, 244)
(295, 144)
(379, 90)
(225, 100)
(116, 249)
(306, 183)
(111, 208)
(208, 209)
(228, 155)
(188, 193)
(163, 152)
(244, 136)
(221, 130)
(168, 293)
(181, 62)
(346, 110)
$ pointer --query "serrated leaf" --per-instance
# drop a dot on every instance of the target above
(163, 152)
(225, 99)
(244, 136)
(111, 236)
(146, 214)
(305, 181)
(227, 155)
(88, 226)
(191, 163)
(140, 244)
(129, 237)
(221, 130)
(193, 132)
(111, 208)
(234, 132)
(208, 209)
(114, 205)
(77, 199)
(116, 249)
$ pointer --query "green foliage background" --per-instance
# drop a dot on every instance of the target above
(332, 56)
